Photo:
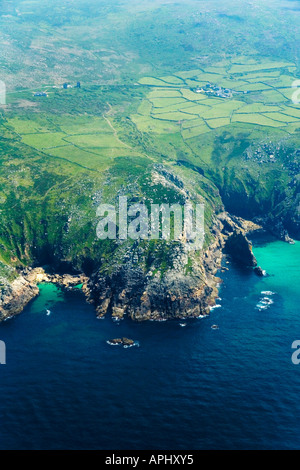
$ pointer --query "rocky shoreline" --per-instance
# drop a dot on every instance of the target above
(148, 294)
(15, 296)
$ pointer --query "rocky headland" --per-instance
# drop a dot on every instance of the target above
(136, 286)
(187, 290)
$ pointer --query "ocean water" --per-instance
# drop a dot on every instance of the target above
(183, 388)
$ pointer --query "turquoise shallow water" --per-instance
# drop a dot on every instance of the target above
(192, 388)
(281, 261)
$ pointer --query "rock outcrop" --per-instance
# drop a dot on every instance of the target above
(66, 281)
(121, 342)
(147, 293)
(240, 250)
(16, 295)
(187, 289)
(236, 243)
(171, 281)
(260, 272)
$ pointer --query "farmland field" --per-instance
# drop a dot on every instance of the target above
(174, 115)
(258, 95)
(178, 109)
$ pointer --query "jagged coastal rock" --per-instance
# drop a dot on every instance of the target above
(141, 285)
(16, 295)
(260, 272)
(138, 288)
(186, 290)
(239, 248)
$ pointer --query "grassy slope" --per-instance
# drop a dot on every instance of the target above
(63, 155)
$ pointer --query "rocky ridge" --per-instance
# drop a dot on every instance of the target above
(187, 289)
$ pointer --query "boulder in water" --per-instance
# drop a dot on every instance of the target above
(121, 342)
(260, 272)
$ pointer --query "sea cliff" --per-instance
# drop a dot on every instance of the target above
(139, 286)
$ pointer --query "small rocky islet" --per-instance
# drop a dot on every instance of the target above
(125, 342)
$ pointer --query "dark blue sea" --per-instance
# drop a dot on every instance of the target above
(183, 388)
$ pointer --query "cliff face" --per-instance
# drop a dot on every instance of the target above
(187, 289)
(240, 250)
(139, 284)
(146, 294)
(15, 296)
(264, 193)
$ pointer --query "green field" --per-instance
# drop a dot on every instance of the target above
(95, 140)
(257, 119)
(295, 112)
(44, 141)
(171, 112)
(86, 141)
(153, 76)
(219, 122)
(258, 97)
(195, 131)
(166, 102)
